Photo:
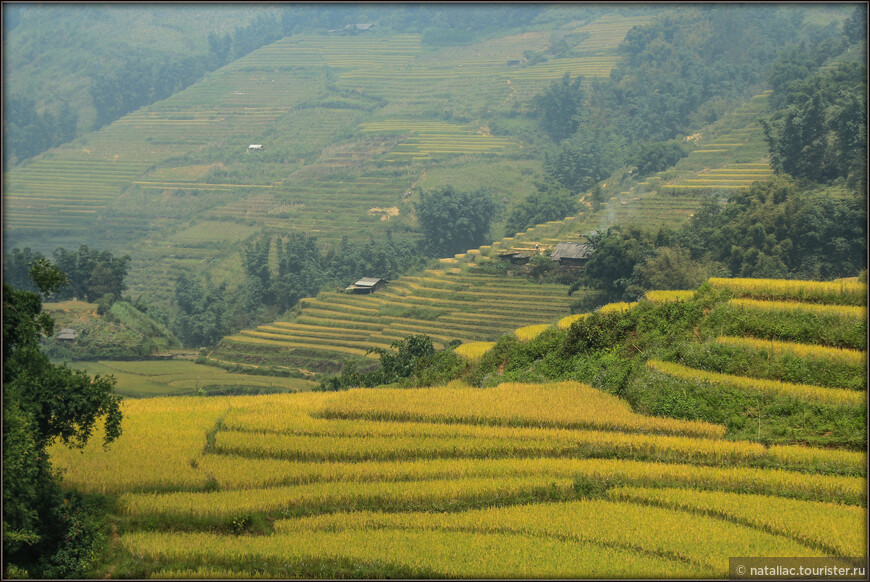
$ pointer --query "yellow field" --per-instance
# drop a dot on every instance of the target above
(805, 391)
(856, 357)
(566, 322)
(555, 479)
(561, 404)
(530, 332)
(850, 311)
(791, 289)
(663, 296)
(616, 307)
(474, 350)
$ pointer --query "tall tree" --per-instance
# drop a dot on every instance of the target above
(453, 221)
(43, 533)
(560, 107)
(202, 312)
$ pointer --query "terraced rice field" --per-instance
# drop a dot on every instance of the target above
(138, 379)
(427, 139)
(730, 156)
(446, 306)
(491, 482)
(347, 123)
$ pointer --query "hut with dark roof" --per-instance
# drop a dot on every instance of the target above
(366, 285)
(572, 254)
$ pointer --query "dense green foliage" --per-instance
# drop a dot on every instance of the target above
(684, 71)
(91, 274)
(820, 131)
(651, 157)
(454, 221)
(550, 202)
(201, 315)
(27, 132)
(728, 359)
(775, 229)
(560, 107)
(413, 359)
(46, 534)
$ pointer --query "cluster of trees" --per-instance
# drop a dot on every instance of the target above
(92, 274)
(27, 132)
(205, 312)
(453, 221)
(200, 317)
(679, 73)
(47, 532)
(819, 132)
(776, 229)
(411, 361)
(551, 201)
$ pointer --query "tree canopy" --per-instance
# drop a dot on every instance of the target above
(454, 221)
(45, 534)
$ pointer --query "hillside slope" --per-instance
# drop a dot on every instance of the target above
(349, 125)
(534, 478)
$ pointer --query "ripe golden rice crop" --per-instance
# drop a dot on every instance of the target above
(566, 322)
(616, 307)
(665, 296)
(805, 391)
(847, 311)
(855, 357)
(474, 350)
(832, 459)
(848, 292)
(321, 448)
(835, 528)
(275, 413)
(696, 539)
(313, 497)
(162, 439)
(334, 439)
(530, 332)
(448, 554)
(563, 404)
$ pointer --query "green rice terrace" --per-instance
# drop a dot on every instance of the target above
(347, 126)
(446, 304)
(348, 130)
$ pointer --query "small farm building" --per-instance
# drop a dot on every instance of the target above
(255, 147)
(571, 254)
(366, 285)
(514, 258)
(66, 335)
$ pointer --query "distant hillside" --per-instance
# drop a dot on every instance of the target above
(349, 125)
(56, 56)
(356, 123)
